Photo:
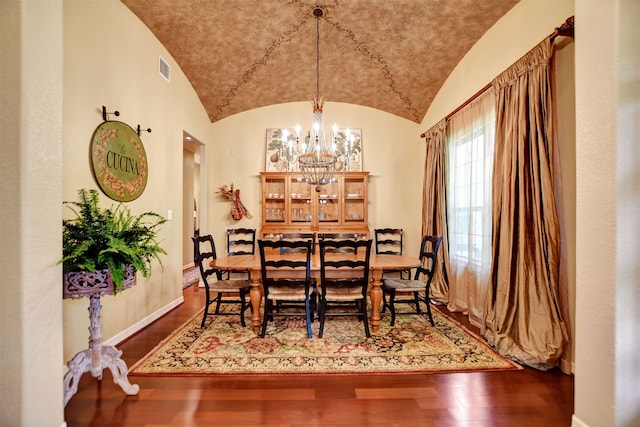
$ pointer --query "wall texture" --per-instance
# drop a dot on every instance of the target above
(111, 59)
(30, 219)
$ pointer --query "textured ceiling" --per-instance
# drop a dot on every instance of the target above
(392, 55)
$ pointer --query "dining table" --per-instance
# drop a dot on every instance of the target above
(252, 263)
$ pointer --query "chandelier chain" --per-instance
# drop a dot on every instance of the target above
(318, 54)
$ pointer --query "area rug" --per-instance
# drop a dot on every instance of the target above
(190, 276)
(411, 346)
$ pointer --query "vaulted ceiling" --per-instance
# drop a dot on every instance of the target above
(392, 55)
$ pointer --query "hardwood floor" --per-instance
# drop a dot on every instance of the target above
(514, 398)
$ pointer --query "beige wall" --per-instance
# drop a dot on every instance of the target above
(392, 153)
(119, 69)
(523, 27)
(188, 195)
(608, 202)
(31, 194)
(595, 216)
(565, 187)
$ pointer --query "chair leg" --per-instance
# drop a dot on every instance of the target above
(267, 309)
(207, 301)
(321, 316)
(308, 310)
(429, 313)
(218, 301)
(314, 303)
(384, 301)
(243, 307)
(416, 299)
(204, 316)
(428, 303)
(363, 307)
(392, 307)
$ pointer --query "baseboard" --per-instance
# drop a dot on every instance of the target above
(567, 366)
(144, 322)
(576, 422)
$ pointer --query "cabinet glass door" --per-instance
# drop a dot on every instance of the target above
(274, 200)
(354, 200)
(301, 202)
(328, 203)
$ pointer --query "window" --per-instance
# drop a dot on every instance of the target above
(470, 162)
(469, 144)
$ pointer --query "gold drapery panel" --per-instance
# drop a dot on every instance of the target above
(434, 206)
(522, 315)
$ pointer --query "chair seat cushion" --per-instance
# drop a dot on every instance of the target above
(286, 293)
(343, 293)
(229, 285)
(401, 285)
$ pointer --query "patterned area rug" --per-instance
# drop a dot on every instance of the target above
(190, 276)
(413, 345)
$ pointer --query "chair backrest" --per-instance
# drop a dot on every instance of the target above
(332, 266)
(339, 236)
(298, 256)
(428, 255)
(241, 241)
(295, 237)
(204, 250)
(388, 241)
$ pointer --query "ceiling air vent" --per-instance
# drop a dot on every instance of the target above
(164, 69)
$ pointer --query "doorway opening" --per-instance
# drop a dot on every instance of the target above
(193, 203)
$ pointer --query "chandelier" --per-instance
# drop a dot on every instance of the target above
(317, 162)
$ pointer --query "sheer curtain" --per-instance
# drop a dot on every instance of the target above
(469, 143)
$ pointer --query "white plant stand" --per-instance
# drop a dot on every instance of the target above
(97, 357)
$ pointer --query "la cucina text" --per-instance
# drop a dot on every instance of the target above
(122, 163)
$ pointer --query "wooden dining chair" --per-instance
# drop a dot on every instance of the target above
(416, 290)
(241, 241)
(218, 291)
(283, 296)
(344, 279)
(390, 241)
(298, 236)
(339, 236)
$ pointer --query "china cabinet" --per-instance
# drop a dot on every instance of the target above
(290, 205)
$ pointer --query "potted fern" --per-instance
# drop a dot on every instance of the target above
(103, 248)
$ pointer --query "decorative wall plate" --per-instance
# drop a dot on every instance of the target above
(119, 161)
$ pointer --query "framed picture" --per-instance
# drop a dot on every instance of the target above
(281, 151)
(348, 149)
(283, 148)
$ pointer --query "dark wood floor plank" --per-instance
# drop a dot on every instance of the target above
(478, 399)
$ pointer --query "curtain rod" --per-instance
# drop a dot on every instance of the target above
(566, 29)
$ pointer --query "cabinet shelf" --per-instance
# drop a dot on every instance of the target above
(289, 204)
